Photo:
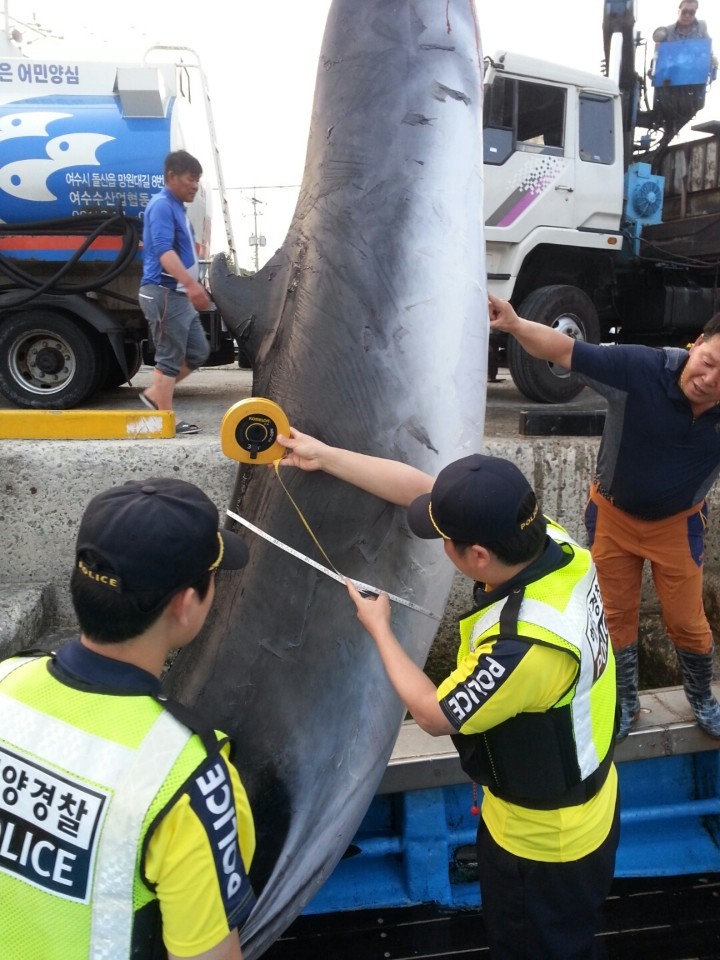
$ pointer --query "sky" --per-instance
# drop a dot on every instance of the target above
(260, 60)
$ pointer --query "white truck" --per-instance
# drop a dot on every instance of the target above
(591, 228)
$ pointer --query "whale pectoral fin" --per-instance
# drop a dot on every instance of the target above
(250, 305)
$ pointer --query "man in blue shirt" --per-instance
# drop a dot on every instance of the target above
(170, 292)
(659, 455)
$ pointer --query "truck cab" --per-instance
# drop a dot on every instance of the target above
(580, 227)
(553, 168)
(553, 165)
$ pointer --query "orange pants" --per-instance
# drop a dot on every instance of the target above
(620, 545)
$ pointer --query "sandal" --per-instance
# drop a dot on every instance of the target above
(183, 427)
(144, 398)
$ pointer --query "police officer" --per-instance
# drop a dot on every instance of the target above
(531, 704)
(124, 825)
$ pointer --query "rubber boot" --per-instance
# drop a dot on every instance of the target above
(626, 664)
(697, 671)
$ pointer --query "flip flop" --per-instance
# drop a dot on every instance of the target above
(183, 427)
(144, 398)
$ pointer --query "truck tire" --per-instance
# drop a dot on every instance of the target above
(564, 308)
(47, 360)
(243, 358)
(493, 365)
(114, 377)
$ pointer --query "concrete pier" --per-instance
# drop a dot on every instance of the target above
(45, 484)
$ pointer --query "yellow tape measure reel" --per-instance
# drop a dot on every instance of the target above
(249, 430)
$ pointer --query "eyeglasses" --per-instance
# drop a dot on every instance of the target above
(684, 10)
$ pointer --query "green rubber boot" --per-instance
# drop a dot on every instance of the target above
(697, 671)
(626, 664)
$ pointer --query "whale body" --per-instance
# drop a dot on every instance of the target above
(369, 328)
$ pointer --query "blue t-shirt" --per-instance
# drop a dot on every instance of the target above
(655, 458)
(166, 227)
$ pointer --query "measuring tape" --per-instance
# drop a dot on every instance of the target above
(363, 587)
(248, 433)
(249, 429)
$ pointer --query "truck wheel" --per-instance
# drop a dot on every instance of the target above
(243, 358)
(47, 361)
(564, 308)
(493, 365)
(114, 376)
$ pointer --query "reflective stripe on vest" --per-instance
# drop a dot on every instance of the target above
(112, 918)
(533, 611)
(134, 775)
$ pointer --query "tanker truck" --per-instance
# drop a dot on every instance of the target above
(597, 222)
(83, 145)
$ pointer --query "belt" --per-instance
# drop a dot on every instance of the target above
(639, 516)
(605, 494)
(162, 286)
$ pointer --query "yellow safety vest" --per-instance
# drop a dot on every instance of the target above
(83, 776)
(560, 757)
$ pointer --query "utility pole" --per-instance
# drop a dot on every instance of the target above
(256, 240)
(11, 38)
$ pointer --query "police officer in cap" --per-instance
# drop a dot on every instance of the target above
(531, 703)
(126, 830)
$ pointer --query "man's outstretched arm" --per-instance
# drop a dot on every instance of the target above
(539, 340)
(388, 479)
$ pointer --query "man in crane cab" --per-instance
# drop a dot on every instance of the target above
(681, 78)
(687, 26)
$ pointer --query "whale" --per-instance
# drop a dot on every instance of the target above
(368, 328)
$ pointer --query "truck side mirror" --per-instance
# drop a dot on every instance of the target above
(497, 145)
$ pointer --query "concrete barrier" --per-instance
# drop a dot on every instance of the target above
(45, 487)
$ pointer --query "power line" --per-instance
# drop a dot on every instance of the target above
(273, 186)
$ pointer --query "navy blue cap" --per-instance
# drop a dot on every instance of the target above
(474, 500)
(159, 534)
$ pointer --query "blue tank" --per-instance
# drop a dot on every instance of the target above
(82, 138)
(63, 160)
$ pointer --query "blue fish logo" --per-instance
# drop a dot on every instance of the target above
(28, 179)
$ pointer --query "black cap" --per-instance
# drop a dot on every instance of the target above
(474, 500)
(159, 534)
